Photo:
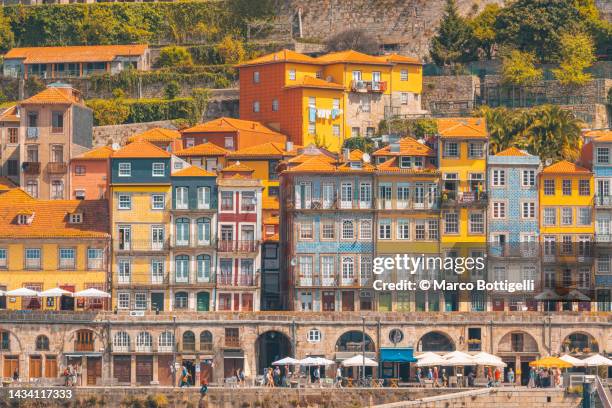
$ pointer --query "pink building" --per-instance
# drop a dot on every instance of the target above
(89, 174)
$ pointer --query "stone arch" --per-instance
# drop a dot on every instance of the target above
(188, 341)
(352, 341)
(270, 346)
(579, 342)
(518, 341)
(436, 341)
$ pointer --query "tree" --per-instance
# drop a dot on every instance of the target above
(99, 26)
(364, 144)
(501, 127)
(172, 90)
(353, 39)
(518, 68)
(231, 50)
(417, 128)
(7, 38)
(453, 42)
(483, 29)
(577, 54)
(200, 103)
(174, 56)
(109, 112)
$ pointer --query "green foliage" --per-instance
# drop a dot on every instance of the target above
(453, 42)
(119, 111)
(174, 56)
(33, 85)
(518, 68)
(417, 128)
(7, 39)
(109, 112)
(230, 50)
(483, 29)
(172, 90)
(577, 54)
(364, 144)
(200, 98)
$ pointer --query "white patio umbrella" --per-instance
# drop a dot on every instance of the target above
(547, 294)
(324, 362)
(486, 359)
(487, 355)
(55, 292)
(433, 360)
(597, 360)
(359, 361)
(460, 361)
(457, 353)
(91, 293)
(286, 361)
(576, 362)
(576, 295)
(22, 292)
(2, 293)
(309, 361)
(426, 354)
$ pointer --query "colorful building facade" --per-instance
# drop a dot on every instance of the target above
(89, 174)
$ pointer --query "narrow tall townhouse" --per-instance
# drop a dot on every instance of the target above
(89, 174)
(462, 158)
(328, 99)
(407, 218)
(9, 140)
(513, 227)
(567, 232)
(140, 204)
(602, 170)
(327, 232)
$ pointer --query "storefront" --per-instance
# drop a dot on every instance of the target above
(89, 364)
(395, 362)
(232, 360)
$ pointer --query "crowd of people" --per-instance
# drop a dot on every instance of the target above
(544, 378)
(73, 374)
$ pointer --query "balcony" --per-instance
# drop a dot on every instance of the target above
(57, 168)
(603, 201)
(32, 132)
(245, 279)
(31, 167)
(368, 86)
(144, 246)
(425, 204)
(514, 250)
(244, 246)
(466, 198)
(232, 341)
(603, 238)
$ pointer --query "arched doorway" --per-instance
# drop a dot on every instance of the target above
(272, 346)
(580, 343)
(436, 342)
(352, 343)
(517, 349)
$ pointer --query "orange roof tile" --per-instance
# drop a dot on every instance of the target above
(156, 135)
(475, 128)
(238, 167)
(301, 158)
(351, 56)
(400, 59)
(204, 149)
(141, 149)
(98, 153)
(50, 217)
(270, 203)
(280, 56)
(193, 171)
(9, 115)
(225, 124)
(269, 149)
(6, 183)
(53, 95)
(600, 135)
(314, 164)
(81, 53)
(512, 151)
(407, 147)
(565, 167)
(312, 82)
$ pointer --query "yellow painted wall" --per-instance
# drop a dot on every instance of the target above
(324, 127)
(415, 79)
(261, 172)
(301, 70)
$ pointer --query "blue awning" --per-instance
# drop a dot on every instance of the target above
(397, 355)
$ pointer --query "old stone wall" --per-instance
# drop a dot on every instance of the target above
(107, 135)
(450, 94)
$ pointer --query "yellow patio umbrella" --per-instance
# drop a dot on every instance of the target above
(549, 362)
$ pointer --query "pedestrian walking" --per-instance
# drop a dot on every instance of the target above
(185, 375)
(339, 377)
(511, 376)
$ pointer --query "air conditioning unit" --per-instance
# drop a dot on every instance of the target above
(137, 313)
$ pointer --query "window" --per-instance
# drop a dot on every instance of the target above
(157, 271)
(121, 341)
(140, 301)
(206, 341)
(182, 231)
(292, 74)
(13, 135)
(247, 201)
(144, 341)
(528, 178)
(165, 341)
(75, 218)
(306, 230)
(451, 149)
(365, 193)
(603, 263)
(314, 335)
(32, 260)
(365, 229)
(158, 201)
(403, 229)
(66, 258)
(256, 77)
(476, 223)
(584, 216)
(384, 229)
(42, 343)
(256, 106)
(188, 341)
(203, 268)
(584, 187)
(227, 201)
(348, 268)
(79, 170)
(32, 188)
(181, 263)
(566, 216)
(158, 170)
(404, 98)
(204, 197)
(203, 227)
(125, 169)
(432, 229)
(499, 210)
(336, 130)
(3, 258)
(124, 202)
(528, 210)
(348, 230)
(550, 216)
(125, 271)
(499, 178)
(181, 198)
(476, 150)
(355, 132)
(57, 122)
(228, 142)
(566, 187)
(123, 300)
(549, 187)
(404, 75)
(305, 268)
(57, 190)
(5, 340)
(275, 105)
(419, 230)
(13, 167)
(405, 162)
(451, 223)
(603, 155)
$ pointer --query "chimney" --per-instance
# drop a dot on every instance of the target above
(288, 146)
(346, 154)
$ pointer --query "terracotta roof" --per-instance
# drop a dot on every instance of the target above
(270, 203)
(400, 59)
(204, 149)
(98, 153)
(565, 167)
(301, 158)
(345, 167)
(6, 183)
(355, 155)
(225, 124)
(156, 135)
(193, 171)
(9, 115)
(52, 95)
(81, 53)
(512, 151)
(270, 149)
(141, 149)
(392, 165)
(312, 82)
(280, 56)
(314, 164)
(600, 135)
(407, 147)
(238, 167)
(50, 217)
(462, 127)
(351, 56)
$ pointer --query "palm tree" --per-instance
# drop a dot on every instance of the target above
(500, 127)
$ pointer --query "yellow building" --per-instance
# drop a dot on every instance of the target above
(330, 98)
(462, 152)
(566, 193)
(46, 244)
(140, 203)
